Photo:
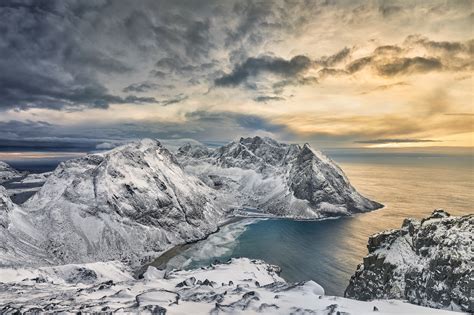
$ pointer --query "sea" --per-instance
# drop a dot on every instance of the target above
(329, 251)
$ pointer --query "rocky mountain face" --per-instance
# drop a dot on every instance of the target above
(128, 203)
(282, 179)
(427, 262)
(7, 172)
(17, 234)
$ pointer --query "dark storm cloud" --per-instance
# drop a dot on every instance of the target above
(140, 87)
(174, 100)
(49, 61)
(449, 47)
(254, 66)
(359, 64)
(408, 65)
(66, 54)
(384, 141)
(335, 59)
(266, 99)
(388, 49)
(331, 72)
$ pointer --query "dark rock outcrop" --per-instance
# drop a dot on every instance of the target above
(427, 262)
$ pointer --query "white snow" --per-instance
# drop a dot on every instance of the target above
(7, 172)
(279, 179)
(130, 203)
(242, 286)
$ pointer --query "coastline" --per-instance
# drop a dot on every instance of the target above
(160, 261)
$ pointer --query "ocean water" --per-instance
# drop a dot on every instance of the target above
(329, 251)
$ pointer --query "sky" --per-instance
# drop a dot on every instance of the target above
(77, 75)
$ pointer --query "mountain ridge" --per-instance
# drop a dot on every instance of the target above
(290, 180)
(427, 262)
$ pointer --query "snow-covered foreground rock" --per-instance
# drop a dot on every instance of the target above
(241, 286)
(129, 204)
(427, 262)
(280, 179)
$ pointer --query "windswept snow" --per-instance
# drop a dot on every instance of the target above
(8, 173)
(130, 203)
(241, 286)
(279, 179)
(135, 201)
(428, 263)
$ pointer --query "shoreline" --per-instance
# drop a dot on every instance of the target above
(160, 261)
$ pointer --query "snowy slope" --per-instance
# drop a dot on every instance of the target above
(281, 179)
(428, 263)
(18, 235)
(7, 172)
(128, 203)
(241, 286)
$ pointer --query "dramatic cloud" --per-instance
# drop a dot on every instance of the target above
(265, 99)
(408, 65)
(254, 66)
(174, 100)
(330, 71)
(140, 87)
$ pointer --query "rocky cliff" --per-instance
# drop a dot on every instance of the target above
(128, 203)
(280, 179)
(427, 262)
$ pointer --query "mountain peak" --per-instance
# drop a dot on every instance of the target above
(289, 179)
(121, 204)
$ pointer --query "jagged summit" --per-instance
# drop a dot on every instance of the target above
(136, 200)
(254, 153)
(287, 179)
(7, 172)
(132, 201)
(194, 150)
(427, 262)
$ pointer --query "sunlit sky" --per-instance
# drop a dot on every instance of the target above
(337, 74)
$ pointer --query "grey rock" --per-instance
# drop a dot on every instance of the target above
(428, 263)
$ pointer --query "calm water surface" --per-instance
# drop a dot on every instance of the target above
(329, 251)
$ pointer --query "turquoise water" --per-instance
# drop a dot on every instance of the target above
(329, 251)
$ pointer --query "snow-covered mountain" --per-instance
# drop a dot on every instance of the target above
(136, 200)
(7, 172)
(18, 235)
(241, 286)
(281, 179)
(128, 203)
(427, 262)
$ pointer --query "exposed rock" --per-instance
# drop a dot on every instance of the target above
(8, 173)
(427, 263)
(129, 203)
(280, 179)
(158, 295)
